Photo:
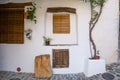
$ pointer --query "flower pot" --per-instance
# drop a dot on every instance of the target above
(93, 67)
(26, 15)
(96, 57)
(47, 43)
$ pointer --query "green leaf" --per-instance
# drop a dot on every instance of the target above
(31, 12)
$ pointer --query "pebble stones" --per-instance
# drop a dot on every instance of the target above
(15, 79)
(112, 73)
(108, 76)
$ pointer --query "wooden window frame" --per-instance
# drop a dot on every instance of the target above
(60, 58)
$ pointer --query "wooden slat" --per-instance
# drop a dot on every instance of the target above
(61, 23)
(61, 9)
(60, 58)
(12, 26)
(15, 5)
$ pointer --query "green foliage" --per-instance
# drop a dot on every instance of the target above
(47, 39)
(98, 2)
(31, 11)
(28, 34)
(94, 13)
(93, 16)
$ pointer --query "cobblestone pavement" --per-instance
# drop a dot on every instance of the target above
(112, 73)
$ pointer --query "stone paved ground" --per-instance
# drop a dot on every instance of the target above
(113, 73)
(30, 76)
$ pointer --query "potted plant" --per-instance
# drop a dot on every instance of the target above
(97, 56)
(94, 66)
(30, 13)
(95, 15)
(28, 34)
(47, 40)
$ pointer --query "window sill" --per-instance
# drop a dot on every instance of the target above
(62, 45)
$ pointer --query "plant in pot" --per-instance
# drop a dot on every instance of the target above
(28, 34)
(47, 40)
(30, 13)
(96, 10)
(97, 56)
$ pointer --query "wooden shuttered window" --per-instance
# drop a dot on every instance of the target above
(11, 25)
(61, 23)
(12, 22)
(60, 58)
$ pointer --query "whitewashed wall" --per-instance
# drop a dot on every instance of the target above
(105, 36)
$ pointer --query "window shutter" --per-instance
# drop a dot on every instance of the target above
(12, 22)
(60, 58)
(11, 25)
(61, 23)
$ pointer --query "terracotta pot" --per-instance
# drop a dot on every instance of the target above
(26, 15)
(96, 57)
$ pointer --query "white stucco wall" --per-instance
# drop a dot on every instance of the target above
(105, 36)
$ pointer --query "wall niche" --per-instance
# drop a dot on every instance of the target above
(61, 26)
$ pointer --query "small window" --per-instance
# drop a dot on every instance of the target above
(60, 58)
(61, 23)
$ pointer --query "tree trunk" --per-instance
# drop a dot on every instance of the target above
(91, 27)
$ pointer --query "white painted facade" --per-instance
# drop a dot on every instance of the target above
(105, 36)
